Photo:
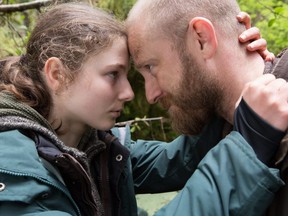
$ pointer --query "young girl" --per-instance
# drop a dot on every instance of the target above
(73, 78)
(56, 102)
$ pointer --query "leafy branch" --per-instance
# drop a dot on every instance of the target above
(135, 126)
(24, 6)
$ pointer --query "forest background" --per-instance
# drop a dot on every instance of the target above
(18, 17)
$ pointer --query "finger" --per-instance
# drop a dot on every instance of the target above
(260, 81)
(265, 79)
(276, 85)
(244, 18)
(250, 34)
(260, 46)
(268, 56)
(257, 45)
(283, 92)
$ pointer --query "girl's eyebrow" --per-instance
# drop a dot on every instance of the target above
(119, 65)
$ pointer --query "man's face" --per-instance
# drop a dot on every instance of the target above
(175, 80)
(196, 99)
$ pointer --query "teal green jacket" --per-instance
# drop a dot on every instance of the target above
(28, 187)
(229, 180)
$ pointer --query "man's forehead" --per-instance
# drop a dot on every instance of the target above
(136, 41)
(144, 40)
(138, 56)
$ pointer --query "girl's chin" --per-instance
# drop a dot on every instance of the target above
(108, 125)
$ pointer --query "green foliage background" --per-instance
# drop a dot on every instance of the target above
(271, 16)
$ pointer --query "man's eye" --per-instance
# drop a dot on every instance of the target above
(148, 67)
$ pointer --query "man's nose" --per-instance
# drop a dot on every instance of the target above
(153, 91)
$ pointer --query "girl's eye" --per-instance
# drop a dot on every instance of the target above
(113, 74)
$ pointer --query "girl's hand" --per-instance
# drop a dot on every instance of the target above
(253, 35)
(268, 97)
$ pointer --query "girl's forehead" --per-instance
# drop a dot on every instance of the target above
(116, 54)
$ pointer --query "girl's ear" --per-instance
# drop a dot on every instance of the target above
(53, 72)
(202, 31)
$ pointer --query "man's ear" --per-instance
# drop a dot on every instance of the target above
(204, 36)
(53, 72)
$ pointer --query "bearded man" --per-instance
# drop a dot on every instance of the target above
(194, 66)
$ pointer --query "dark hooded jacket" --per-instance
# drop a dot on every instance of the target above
(279, 207)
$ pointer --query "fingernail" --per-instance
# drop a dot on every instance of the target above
(243, 37)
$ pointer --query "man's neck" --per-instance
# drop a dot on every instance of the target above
(239, 71)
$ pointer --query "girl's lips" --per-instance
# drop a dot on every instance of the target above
(116, 114)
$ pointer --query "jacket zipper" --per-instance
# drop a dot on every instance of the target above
(104, 183)
(46, 182)
(87, 196)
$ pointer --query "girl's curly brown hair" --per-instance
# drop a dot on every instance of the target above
(71, 32)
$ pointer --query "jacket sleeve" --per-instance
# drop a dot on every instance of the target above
(162, 167)
(156, 162)
(230, 180)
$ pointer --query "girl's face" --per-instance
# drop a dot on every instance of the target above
(97, 95)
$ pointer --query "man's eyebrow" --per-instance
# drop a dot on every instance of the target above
(136, 65)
